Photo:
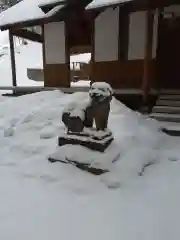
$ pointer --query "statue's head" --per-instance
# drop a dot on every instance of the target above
(100, 91)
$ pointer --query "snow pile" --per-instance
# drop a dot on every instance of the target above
(40, 200)
(81, 83)
(83, 57)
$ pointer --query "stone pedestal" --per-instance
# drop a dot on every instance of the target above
(95, 162)
(89, 138)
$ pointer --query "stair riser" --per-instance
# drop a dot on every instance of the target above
(167, 119)
(161, 110)
(171, 98)
(168, 103)
(170, 92)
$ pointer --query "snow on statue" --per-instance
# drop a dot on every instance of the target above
(86, 146)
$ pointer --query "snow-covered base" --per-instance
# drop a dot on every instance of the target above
(94, 159)
(90, 136)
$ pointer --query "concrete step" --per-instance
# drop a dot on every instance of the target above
(168, 103)
(166, 109)
(169, 97)
(166, 117)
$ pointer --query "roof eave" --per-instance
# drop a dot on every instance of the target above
(31, 23)
(27, 23)
(57, 16)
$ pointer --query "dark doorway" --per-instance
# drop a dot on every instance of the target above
(168, 54)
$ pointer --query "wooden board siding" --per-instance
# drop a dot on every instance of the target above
(106, 72)
(126, 74)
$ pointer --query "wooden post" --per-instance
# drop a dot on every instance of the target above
(43, 52)
(146, 84)
(92, 62)
(67, 53)
(13, 63)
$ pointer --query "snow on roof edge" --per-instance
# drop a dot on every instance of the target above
(105, 3)
(26, 10)
(58, 2)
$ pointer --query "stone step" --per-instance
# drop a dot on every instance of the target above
(174, 133)
(169, 97)
(170, 125)
(166, 109)
(168, 103)
(166, 117)
(171, 128)
(170, 91)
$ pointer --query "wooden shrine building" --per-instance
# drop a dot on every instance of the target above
(134, 43)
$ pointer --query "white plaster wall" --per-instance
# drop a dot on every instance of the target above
(106, 35)
(137, 35)
(54, 35)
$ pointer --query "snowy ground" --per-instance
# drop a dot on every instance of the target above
(46, 201)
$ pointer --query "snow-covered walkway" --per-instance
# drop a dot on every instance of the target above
(40, 200)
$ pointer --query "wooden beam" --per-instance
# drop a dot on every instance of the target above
(146, 84)
(23, 33)
(13, 63)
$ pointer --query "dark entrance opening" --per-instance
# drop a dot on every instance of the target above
(168, 54)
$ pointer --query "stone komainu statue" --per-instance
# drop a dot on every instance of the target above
(76, 117)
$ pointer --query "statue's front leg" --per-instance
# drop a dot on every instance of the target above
(101, 117)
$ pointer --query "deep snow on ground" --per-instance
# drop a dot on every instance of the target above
(40, 200)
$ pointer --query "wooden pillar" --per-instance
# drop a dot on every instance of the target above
(146, 84)
(43, 52)
(67, 53)
(13, 63)
(92, 62)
